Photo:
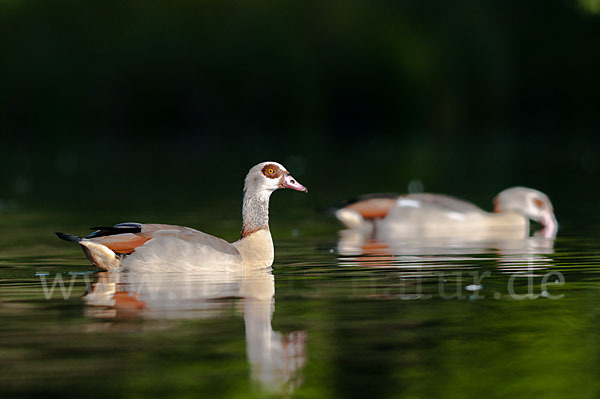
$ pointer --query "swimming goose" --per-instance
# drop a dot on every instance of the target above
(436, 215)
(161, 247)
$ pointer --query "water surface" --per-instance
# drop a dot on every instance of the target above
(494, 319)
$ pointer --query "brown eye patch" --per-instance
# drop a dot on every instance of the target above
(272, 171)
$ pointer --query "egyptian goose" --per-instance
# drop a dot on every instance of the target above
(435, 215)
(161, 247)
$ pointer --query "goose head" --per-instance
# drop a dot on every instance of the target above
(267, 177)
(531, 203)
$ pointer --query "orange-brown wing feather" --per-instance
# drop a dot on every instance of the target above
(123, 243)
(373, 208)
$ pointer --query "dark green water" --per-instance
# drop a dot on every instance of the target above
(430, 322)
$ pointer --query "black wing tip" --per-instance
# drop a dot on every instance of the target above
(68, 237)
(123, 228)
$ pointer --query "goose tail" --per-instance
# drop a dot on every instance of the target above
(100, 255)
(68, 237)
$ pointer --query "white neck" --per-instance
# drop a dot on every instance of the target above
(255, 211)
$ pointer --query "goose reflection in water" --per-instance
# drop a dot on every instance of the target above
(275, 359)
(515, 252)
(445, 267)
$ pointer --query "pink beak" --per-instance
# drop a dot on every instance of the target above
(550, 226)
(290, 182)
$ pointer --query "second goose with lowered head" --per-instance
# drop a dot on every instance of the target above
(436, 215)
(165, 248)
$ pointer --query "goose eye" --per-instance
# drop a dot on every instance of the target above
(270, 171)
(539, 203)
